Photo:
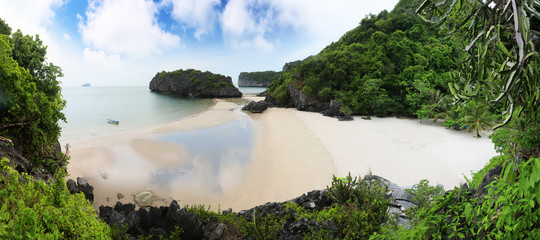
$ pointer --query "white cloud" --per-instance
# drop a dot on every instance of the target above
(198, 14)
(251, 23)
(101, 58)
(125, 27)
(67, 37)
(245, 28)
(31, 16)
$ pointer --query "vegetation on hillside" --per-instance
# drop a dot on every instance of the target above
(30, 99)
(264, 78)
(392, 63)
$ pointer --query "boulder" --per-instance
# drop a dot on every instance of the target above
(194, 83)
(189, 222)
(72, 186)
(86, 189)
(256, 107)
(302, 101)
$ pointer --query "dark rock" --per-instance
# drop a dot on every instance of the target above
(7, 150)
(218, 232)
(225, 212)
(124, 208)
(262, 94)
(314, 200)
(488, 178)
(194, 83)
(72, 186)
(333, 109)
(86, 189)
(105, 213)
(117, 219)
(189, 222)
(119, 196)
(302, 101)
(345, 118)
(256, 107)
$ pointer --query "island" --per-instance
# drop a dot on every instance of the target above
(86, 85)
(194, 84)
(257, 79)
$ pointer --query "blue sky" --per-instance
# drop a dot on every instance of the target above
(126, 42)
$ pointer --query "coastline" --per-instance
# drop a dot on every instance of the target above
(291, 153)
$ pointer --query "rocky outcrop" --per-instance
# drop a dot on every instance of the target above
(163, 221)
(257, 79)
(194, 84)
(302, 101)
(81, 186)
(332, 110)
(153, 221)
(256, 107)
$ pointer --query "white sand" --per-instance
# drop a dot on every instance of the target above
(402, 150)
(294, 152)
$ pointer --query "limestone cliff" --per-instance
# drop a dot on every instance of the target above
(257, 79)
(194, 83)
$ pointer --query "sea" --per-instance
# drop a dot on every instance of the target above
(135, 107)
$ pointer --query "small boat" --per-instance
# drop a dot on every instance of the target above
(112, 121)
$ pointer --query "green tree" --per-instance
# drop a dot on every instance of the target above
(31, 100)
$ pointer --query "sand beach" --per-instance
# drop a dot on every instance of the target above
(227, 158)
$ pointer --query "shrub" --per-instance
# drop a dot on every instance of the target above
(33, 209)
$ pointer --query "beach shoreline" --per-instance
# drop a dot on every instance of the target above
(292, 152)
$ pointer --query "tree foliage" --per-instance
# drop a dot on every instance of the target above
(502, 43)
(390, 64)
(31, 100)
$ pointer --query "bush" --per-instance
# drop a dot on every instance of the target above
(36, 210)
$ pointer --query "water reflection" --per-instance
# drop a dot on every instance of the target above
(216, 160)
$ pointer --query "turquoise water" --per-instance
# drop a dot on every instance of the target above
(88, 109)
(251, 89)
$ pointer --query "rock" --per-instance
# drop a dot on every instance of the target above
(105, 213)
(345, 118)
(189, 222)
(256, 107)
(117, 219)
(225, 212)
(8, 151)
(302, 101)
(72, 186)
(194, 83)
(124, 209)
(86, 189)
(400, 200)
(146, 198)
(333, 109)
(488, 178)
(314, 200)
(257, 79)
(218, 232)
(119, 196)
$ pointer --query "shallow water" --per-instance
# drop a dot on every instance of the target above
(212, 153)
(88, 109)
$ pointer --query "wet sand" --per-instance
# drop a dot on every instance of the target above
(229, 159)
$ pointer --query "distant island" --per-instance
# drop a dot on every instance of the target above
(257, 79)
(195, 84)
(86, 85)
(264, 78)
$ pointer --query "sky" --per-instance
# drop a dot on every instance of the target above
(126, 42)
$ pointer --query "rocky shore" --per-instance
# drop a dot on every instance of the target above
(163, 221)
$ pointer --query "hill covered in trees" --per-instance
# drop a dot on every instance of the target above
(392, 63)
(257, 79)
